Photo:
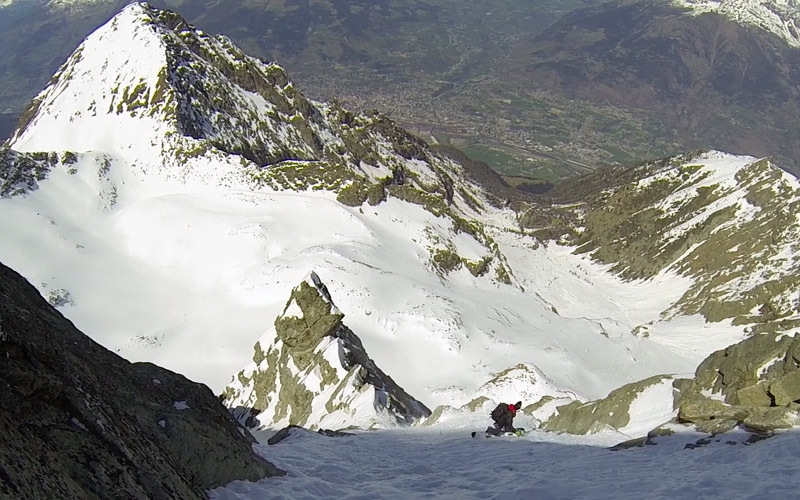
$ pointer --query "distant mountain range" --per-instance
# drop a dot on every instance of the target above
(720, 78)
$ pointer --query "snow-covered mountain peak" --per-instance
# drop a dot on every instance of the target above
(153, 91)
(149, 87)
(104, 95)
(779, 17)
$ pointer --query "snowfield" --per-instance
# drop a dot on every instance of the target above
(449, 464)
(186, 267)
(191, 279)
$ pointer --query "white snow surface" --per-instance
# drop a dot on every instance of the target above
(779, 17)
(77, 108)
(651, 408)
(445, 463)
(190, 280)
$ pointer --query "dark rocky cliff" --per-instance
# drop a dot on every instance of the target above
(78, 421)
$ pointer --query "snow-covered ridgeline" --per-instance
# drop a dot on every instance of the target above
(97, 99)
(779, 17)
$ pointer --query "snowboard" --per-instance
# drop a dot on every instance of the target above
(519, 433)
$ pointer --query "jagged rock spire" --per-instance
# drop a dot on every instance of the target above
(316, 373)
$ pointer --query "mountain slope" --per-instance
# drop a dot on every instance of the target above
(191, 97)
(215, 187)
(463, 74)
(728, 223)
(714, 82)
(779, 17)
(158, 127)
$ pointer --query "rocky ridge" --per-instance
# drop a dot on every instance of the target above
(81, 422)
(728, 223)
(313, 371)
(753, 385)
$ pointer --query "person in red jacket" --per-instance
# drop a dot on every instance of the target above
(503, 416)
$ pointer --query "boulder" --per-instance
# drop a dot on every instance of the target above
(753, 395)
(699, 408)
(287, 431)
(710, 415)
(769, 419)
(761, 358)
(786, 389)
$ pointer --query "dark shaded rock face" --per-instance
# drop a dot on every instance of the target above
(78, 421)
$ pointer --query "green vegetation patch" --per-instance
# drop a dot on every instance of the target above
(431, 202)
(478, 268)
(294, 399)
(263, 380)
(314, 175)
(446, 260)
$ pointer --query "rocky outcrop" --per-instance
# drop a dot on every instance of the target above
(287, 431)
(610, 413)
(80, 422)
(316, 373)
(755, 383)
(21, 172)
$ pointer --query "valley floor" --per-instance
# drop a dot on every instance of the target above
(435, 463)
